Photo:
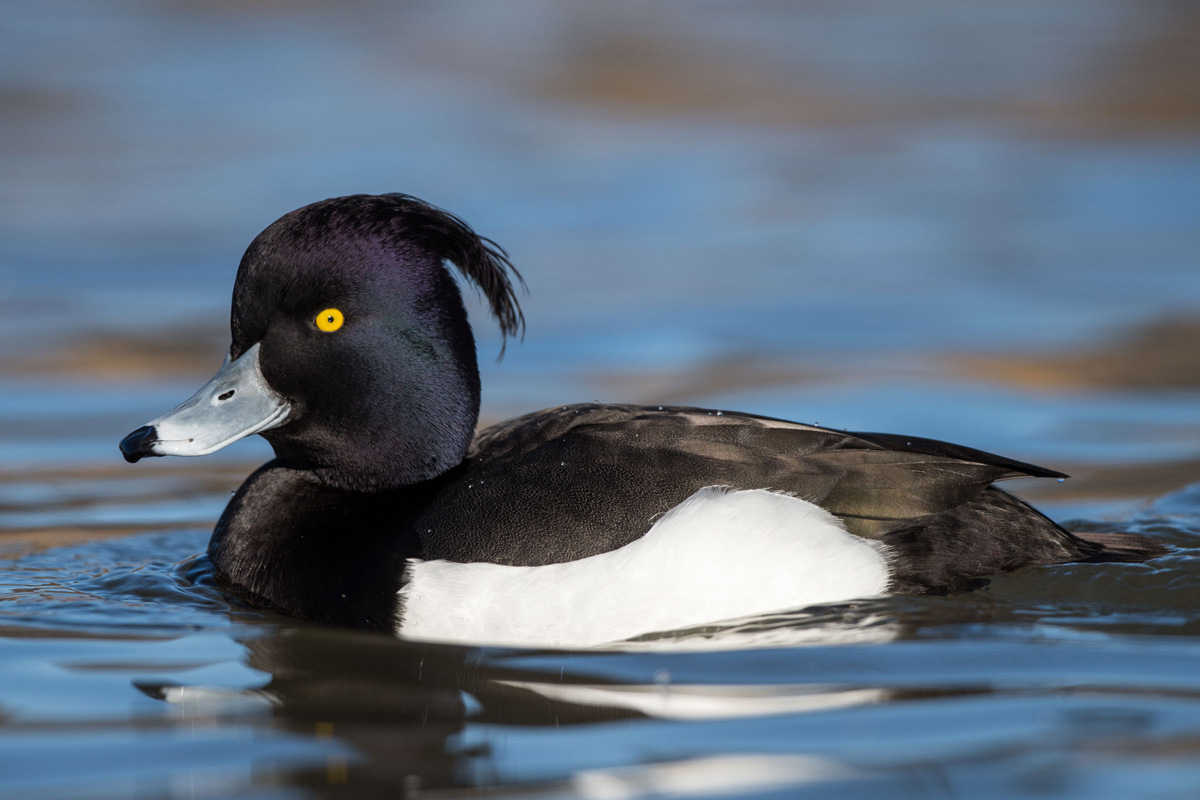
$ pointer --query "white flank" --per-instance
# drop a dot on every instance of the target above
(719, 554)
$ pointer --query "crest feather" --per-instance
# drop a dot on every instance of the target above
(479, 259)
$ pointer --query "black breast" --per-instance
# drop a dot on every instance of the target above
(320, 553)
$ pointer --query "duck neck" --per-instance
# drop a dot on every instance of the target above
(423, 444)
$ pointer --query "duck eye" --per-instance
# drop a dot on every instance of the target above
(330, 320)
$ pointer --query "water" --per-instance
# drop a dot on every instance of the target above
(958, 221)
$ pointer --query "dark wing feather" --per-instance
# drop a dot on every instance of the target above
(574, 481)
(872, 481)
(915, 444)
(875, 490)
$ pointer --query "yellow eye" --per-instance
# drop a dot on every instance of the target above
(330, 320)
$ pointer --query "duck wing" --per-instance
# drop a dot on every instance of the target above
(574, 481)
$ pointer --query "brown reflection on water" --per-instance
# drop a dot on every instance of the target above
(167, 352)
(1165, 355)
(17, 542)
(725, 373)
(637, 73)
(1151, 84)
(78, 493)
(1147, 80)
(1095, 482)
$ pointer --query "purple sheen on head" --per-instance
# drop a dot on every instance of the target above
(344, 243)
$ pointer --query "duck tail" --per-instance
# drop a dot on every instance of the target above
(1129, 547)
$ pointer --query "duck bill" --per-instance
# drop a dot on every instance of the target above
(236, 403)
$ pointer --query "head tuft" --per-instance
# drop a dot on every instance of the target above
(480, 260)
(398, 222)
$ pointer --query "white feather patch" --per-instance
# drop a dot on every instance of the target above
(719, 554)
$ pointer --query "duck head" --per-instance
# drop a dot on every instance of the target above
(351, 352)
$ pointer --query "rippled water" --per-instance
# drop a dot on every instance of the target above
(965, 221)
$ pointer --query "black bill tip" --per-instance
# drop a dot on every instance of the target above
(137, 444)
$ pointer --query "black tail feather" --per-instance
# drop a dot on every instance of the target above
(1121, 547)
(992, 534)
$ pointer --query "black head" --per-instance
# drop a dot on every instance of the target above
(362, 330)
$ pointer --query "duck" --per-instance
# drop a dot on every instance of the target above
(352, 355)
